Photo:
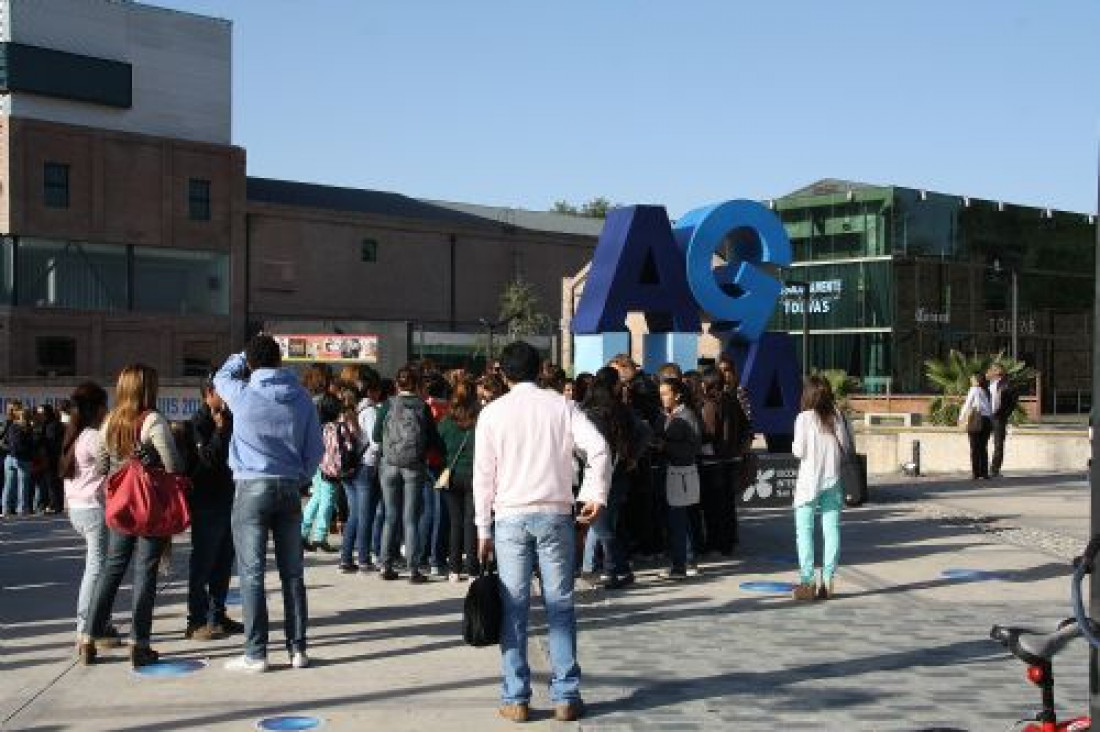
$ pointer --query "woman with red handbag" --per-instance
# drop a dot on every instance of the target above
(133, 429)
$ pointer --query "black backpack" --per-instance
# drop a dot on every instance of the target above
(482, 613)
(404, 434)
(351, 457)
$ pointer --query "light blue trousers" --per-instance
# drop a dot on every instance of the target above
(828, 505)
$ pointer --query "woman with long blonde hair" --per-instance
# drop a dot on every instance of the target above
(132, 428)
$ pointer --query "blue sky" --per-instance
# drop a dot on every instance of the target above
(678, 102)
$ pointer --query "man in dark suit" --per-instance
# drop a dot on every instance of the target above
(1004, 400)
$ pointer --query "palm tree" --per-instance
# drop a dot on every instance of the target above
(951, 377)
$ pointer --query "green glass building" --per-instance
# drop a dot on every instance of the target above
(898, 276)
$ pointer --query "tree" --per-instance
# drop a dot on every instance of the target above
(951, 377)
(519, 309)
(597, 208)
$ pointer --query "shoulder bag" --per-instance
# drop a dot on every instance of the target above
(443, 482)
(144, 500)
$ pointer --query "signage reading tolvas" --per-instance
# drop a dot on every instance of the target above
(823, 295)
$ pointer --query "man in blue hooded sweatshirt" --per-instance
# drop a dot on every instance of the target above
(275, 450)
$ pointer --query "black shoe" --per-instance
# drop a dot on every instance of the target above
(308, 545)
(325, 547)
(388, 574)
(228, 626)
(348, 568)
(619, 581)
(417, 578)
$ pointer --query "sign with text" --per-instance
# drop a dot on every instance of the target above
(329, 348)
(772, 484)
(174, 402)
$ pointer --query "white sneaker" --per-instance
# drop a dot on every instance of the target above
(247, 665)
(299, 659)
(693, 570)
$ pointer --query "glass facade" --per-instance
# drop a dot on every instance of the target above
(66, 274)
(181, 282)
(898, 276)
(50, 273)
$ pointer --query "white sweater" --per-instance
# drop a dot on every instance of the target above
(820, 453)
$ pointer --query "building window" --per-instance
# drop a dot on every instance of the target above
(182, 282)
(368, 251)
(55, 185)
(69, 274)
(56, 356)
(198, 199)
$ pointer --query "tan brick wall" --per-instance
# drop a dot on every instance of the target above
(306, 264)
(123, 188)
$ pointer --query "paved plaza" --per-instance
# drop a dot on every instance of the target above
(902, 648)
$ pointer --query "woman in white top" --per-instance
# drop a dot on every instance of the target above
(821, 441)
(978, 401)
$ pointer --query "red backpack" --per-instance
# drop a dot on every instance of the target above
(143, 501)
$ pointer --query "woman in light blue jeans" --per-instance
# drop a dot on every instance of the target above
(84, 492)
(821, 442)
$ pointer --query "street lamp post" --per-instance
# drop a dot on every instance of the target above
(1015, 307)
(1094, 480)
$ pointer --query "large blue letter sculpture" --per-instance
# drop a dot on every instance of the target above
(642, 264)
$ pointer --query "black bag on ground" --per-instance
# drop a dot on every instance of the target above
(482, 613)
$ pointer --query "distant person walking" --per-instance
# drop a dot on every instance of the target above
(275, 450)
(523, 502)
(1003, 400)
(821, 440)
(18, 440)
(977, 402)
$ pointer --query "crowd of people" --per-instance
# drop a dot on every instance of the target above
(430, 472)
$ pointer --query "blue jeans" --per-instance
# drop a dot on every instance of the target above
(211, 564)
(409, 483)
(270, 506)
(603, 533)
(828, 504)
(91, 524)
(520, 541)
(433, 526)
(320, 509)
(362, 493)
(17, 486)
(145, 553)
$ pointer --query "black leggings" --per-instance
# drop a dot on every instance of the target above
(979, 449)
(463, 535)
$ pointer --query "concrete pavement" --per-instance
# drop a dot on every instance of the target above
(903, 648)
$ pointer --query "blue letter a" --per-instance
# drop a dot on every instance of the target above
(637, 267)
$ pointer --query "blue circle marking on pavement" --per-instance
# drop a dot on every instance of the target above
(769, 587)
(973, 575)
(182, 667)
(289, 723)
(233, 597)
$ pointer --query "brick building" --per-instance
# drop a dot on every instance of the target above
(129, 229)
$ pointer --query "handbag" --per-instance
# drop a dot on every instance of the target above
(853, 475)
(147, 501)
(483, 612)
(443, 482)
(971, 420)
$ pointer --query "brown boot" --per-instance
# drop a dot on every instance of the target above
(805, 593)
(515, 712)
(86, 652)
(570, 712)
